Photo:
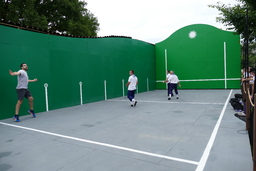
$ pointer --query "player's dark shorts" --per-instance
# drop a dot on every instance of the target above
(23, 93)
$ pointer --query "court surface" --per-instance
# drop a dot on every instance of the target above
(196, 132)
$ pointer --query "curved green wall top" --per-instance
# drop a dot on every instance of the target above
(203, 56)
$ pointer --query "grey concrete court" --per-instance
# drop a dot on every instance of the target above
(196, 132)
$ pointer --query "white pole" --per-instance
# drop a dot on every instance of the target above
(46, 96)
(81, 93)
(225, 65)
(105, 89)
(165, 56)
(147, 85)
(123, 86)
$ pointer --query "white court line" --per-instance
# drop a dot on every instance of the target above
(208, 148)
(200, 103)
(104, 144)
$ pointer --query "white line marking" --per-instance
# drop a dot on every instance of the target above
(229, 79)
(199, 103)
(104, 144)
(208, 148)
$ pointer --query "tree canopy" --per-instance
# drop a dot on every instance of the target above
(235, 17)
(63, 16)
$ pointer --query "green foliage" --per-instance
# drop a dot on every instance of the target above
(63, 16)
(235, 16)
(252, 55)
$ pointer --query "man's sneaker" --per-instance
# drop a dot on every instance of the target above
(135, 103)
(16, 118)
(32, 113)
(169, 98)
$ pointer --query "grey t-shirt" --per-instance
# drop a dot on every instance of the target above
(22, 80)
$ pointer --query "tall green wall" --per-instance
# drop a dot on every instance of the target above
(199, 59)
(206, 60)
(62, 62)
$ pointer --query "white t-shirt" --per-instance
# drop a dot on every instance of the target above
(173, 79)
(133, 82)
(22, 80)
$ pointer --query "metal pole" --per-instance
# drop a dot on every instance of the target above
(147, 85)
(81, 93)
(46, 96)
(246, 50)
(105, 89)
(248, 106)
(225, 65)
(254, 135)
(123, 86)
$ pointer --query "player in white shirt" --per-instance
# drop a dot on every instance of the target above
(132, 83)
(173, 80)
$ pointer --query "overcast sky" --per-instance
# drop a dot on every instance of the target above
(152, 21)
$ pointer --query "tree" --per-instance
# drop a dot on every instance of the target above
(234, 17)
(63, 16)
(252, 55)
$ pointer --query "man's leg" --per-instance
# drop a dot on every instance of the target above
(169, 89)
(170, 93)
(133, 98)
(129, 95)
(31, 106)
(31, 103)
(17, 108)
(176, 91)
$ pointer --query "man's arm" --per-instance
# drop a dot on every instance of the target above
(34, 80)
(166, 80)
(128, 84)
(14, 73)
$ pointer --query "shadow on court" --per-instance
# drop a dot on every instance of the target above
(156, 135)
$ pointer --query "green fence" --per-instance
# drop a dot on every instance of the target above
(64, 62)
(204, 57)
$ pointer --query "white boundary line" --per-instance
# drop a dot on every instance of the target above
(208, 148)
(104, 144)
(199, 103)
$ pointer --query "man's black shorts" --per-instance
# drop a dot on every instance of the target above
(23, 93)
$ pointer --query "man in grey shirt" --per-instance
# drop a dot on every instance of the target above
(22, 90)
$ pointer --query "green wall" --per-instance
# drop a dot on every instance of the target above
(199, 61)
(62, 62)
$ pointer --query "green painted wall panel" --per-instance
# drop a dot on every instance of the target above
(62, 62)
(199, 57)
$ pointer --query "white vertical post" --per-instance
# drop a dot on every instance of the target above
(105, 89)
(123, 86)
(147, 85)
(225, 65)
(165, 57)
(46, 96)
(81, 93)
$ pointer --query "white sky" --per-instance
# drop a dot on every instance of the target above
(150, 20)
